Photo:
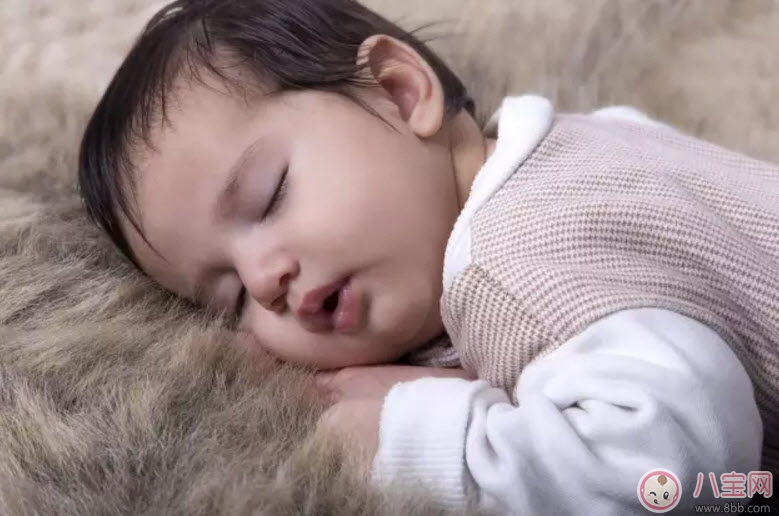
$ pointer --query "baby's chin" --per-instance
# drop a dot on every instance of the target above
(358, 353)
(367, 356)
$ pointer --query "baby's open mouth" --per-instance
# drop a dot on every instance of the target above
(331, 302)
(341, 310)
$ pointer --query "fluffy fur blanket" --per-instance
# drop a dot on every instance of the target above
(117, 399)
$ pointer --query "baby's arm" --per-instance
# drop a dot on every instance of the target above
(638, 390)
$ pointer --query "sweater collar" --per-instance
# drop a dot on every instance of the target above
(522, 123)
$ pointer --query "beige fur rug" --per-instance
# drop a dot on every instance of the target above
(117, 399)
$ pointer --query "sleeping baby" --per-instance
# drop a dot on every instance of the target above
(576, 299)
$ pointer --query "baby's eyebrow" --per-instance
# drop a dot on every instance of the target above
(234, 179)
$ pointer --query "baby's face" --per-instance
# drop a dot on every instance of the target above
(333, 223)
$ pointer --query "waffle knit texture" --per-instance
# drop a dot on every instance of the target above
(607, 215)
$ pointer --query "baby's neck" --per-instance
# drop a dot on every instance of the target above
(469, 150)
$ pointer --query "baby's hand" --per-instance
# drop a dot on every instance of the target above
(357, 394)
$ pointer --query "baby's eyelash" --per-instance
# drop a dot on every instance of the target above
(278, 195)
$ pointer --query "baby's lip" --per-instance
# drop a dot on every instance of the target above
(311, 313)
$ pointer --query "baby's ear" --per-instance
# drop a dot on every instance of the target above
(408, 80)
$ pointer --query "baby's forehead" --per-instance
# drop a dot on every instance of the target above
(177, 177)
(196, 89)
(195, 117)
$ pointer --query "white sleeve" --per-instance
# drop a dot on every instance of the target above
(638, 390)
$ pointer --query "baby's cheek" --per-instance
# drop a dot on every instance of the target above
(266, 334)
(287, 341)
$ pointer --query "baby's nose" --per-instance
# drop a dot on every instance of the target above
(278, 305)
(272, 293)
(269, 285)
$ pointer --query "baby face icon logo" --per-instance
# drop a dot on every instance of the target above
(659, 490)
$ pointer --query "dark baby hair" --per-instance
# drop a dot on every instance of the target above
(286, 44)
